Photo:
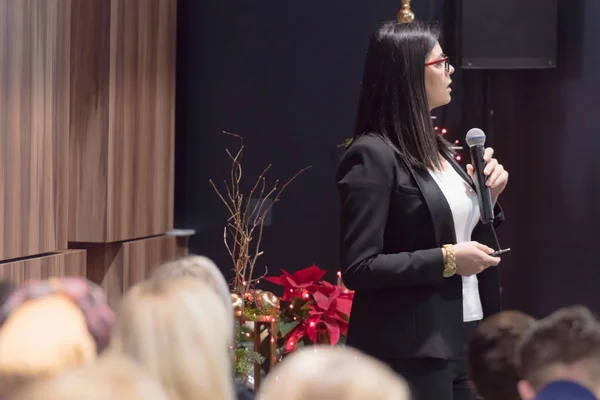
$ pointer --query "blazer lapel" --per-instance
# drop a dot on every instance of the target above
(441, 215)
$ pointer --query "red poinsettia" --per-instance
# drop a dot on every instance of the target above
(332, 311)
(318, 310)
(295, 285)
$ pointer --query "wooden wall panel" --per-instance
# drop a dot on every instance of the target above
(67, 263)
(142, 257)
(118, 266)
(34, 123)
(88, 146)
(123, 126)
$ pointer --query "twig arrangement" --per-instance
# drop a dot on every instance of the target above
(244, 229)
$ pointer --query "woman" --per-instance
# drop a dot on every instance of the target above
(178, 329)
(49, 327)
(113, 377)
(204, 270)
(412, 247)
(326, 372)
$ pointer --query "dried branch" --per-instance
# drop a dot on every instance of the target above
(244, 219)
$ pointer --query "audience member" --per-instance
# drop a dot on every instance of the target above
(50, 326)
(200, 268)
(178, 330)
(560, 357)
(332, 373)
(113, 377)
(491, 355)
(203, 269)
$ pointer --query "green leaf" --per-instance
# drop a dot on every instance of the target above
(286, 327)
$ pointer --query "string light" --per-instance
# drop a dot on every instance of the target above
(444, 131)
(458, 157)
(291, 306)
(339, 273)
(291, 290)
(435, 128)
(272, 340)
(244, 282)
(306, 295)
(312, 324)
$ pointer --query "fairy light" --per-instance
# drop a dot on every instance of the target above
(272, 340)
(306, 295)
(435, 128)
(339, 273)
(244, 282)
(291, 290)
(248, 334)
(312, 324)
(291, 306)
(444, 131)
(458, 157)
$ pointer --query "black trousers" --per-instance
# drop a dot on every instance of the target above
(436, 378)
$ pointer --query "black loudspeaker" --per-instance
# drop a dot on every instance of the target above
(507, 34)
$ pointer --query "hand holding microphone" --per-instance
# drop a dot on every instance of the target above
(489, 176)
(497, 175)
(490, 179)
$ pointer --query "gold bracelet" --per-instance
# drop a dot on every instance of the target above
(450, 263)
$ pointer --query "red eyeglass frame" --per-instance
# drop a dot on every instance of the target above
(441, 60)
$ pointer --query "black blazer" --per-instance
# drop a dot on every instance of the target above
(394, 221)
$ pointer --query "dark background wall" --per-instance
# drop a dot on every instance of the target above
(286, 76)
(546, 132)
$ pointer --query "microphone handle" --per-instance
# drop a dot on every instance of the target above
(484, 194)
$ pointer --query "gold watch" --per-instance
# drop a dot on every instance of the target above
(450, 262)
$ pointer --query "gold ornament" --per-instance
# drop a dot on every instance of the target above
(238, 304)
(405, 15)
(267, 302)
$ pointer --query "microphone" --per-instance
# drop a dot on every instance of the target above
(476, 139)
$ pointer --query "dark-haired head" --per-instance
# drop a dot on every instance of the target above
(562, 346)
(491, 355)
(406, 75)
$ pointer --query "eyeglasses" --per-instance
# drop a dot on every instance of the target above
(444, 60)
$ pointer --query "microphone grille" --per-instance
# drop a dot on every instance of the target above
(475, 137)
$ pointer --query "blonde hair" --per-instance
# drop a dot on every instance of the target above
(112, 377)
(203, 269)
(178, 330)
(333, 373)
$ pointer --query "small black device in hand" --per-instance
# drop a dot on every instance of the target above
(500, 253)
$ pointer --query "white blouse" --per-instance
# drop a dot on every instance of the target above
(463, 202)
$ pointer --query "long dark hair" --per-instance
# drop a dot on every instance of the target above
(393, 101)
